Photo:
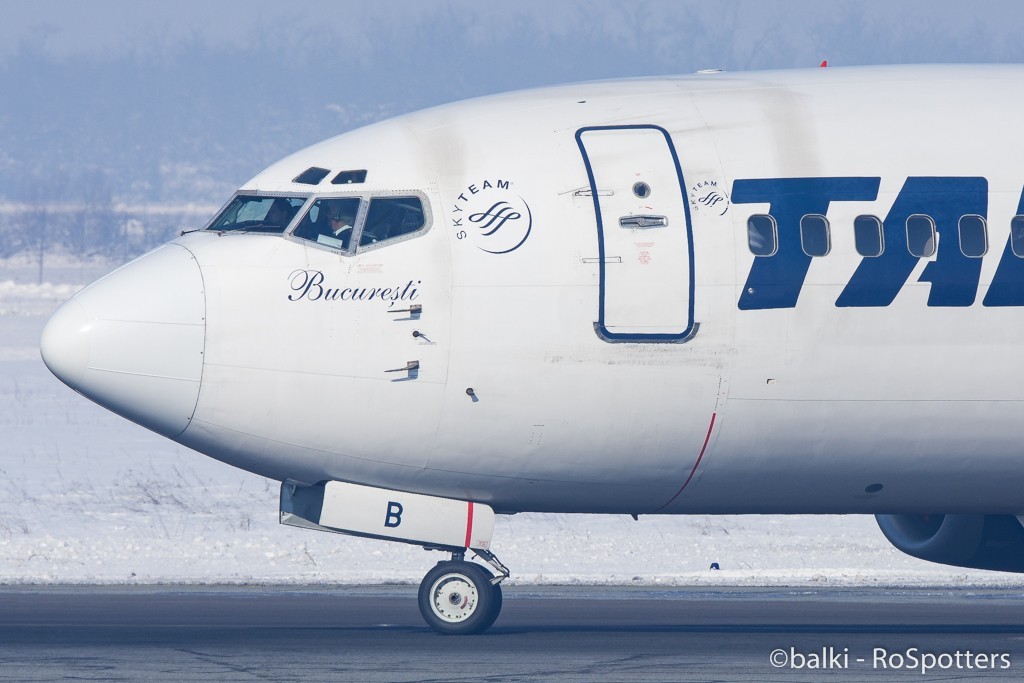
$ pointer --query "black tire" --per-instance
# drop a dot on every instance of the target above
(495, 607)
(457, 598)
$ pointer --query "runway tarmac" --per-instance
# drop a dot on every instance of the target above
(544, 633)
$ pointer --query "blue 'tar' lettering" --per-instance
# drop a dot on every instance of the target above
(394, 516)
(775, 281)
(954, 277)
(1007, 288)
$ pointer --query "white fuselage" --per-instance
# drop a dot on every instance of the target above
(565, 366)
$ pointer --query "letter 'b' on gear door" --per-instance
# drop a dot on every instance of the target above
(643, 231)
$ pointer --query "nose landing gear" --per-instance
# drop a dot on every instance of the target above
(458, 597)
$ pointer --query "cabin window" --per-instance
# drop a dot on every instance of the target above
(762, 235)
(868, 236)
(391, 218)
(1017, 236)
(814, 235)
(330, 221)
(973, 237)
(254, 213)
(921, 235)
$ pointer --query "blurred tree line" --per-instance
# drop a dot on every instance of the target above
(86, 223)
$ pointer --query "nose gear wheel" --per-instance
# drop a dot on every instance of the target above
(459, 597)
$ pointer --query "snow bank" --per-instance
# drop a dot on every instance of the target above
(32, 299)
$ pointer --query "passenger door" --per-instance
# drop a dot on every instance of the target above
(645, 242)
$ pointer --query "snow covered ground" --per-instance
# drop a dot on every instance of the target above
(87, 497)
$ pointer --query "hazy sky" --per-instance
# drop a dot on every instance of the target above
(169, 101)
(783, 32)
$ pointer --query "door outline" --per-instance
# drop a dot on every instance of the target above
(599, 326)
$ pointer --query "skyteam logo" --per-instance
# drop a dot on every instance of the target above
(492, 217)
(707, 196)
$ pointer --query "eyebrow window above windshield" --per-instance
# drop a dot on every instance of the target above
(252, 213)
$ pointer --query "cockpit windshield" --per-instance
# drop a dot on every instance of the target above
(350, 223)
(250, 213)
(359, 223)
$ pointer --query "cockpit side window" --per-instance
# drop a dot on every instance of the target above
(254, 213)
(389, 218)
(330, 222)
(359, 223)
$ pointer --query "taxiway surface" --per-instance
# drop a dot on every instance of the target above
(544, 633)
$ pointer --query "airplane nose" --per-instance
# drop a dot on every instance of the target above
(133, 341)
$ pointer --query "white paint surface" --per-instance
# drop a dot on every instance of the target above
(87, 497)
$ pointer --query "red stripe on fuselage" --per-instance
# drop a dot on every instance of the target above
(711, 428)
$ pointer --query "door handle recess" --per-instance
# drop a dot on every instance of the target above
(643, 222)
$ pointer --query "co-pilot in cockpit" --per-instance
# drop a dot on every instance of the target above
(257, 214)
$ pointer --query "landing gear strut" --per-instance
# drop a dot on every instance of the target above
(462, 598)
(456, 596)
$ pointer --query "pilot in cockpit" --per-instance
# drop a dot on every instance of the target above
(330, 222)
(339, 221)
